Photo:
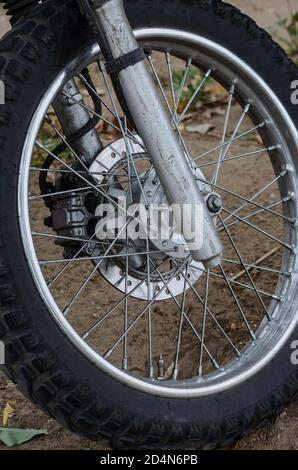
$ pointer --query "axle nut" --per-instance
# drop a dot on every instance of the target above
(214, 203)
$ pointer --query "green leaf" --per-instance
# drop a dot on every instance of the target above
(13, 437)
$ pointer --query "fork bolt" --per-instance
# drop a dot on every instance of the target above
(214, 204)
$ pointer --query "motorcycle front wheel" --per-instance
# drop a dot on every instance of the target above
(129, 339)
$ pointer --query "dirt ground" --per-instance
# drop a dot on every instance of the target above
(281, 433)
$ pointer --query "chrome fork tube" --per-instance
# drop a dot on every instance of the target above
(155, 128)
(73, 117)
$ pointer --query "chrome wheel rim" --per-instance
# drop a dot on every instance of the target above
(271, 335)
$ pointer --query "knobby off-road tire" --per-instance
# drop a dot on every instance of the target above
(45, 365)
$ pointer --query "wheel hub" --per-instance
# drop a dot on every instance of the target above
(152, 200)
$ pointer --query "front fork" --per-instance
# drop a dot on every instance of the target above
(111, 26)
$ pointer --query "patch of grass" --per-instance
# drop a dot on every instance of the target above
(287, 32)
(193, 81)
(50, 141)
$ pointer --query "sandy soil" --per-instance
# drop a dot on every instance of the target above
(278, 434)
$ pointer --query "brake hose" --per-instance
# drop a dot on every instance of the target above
(45, 187)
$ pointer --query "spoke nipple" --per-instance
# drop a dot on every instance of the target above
(107, 354)
(232, 89)
(281, 299)
(254, 338)
(287, 169)
(200, 374)
(150, 372)
(161, 368)
(290, 197)
(125, 364)
(247, 108)
(175, 373)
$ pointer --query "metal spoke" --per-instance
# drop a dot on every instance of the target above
(120, 339)
(183, 82)
(169, 64)
(222, 154)
(254, 289)
(211, 314)
(246, 270)
(237, 127)
(242, 155)
(176, 125)
(203, 334)
(244, 286)
(251, 200)
(118, 304)
(252, 335)
(100, 257)
(93, 91)
(64, 269)
(83, 240)
(71, 191)
(64, 140)
(94, 113)
(212, 359)
(60, 237)
(218, 147)
(176, 367)
(193, 97)
(150, 361)
(257, 267)
(75, 298)
(258, 229)
(260, 211)
(130, 160)
(92, 173)
(98, 190)
(125, 324)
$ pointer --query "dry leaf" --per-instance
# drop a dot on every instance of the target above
(7, 412)
(217, 111)
(169, 371)
(202, 129)
(207, 114)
